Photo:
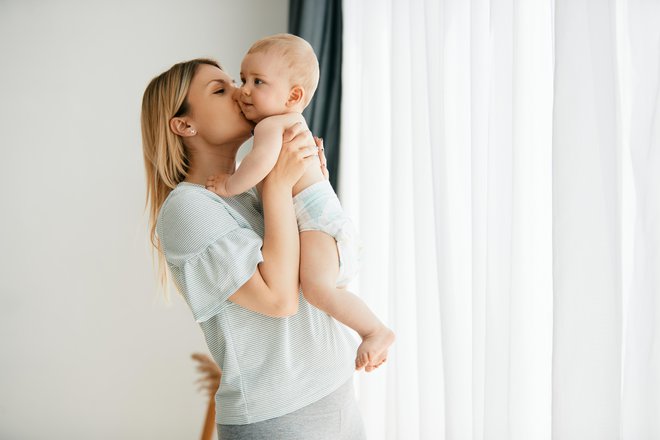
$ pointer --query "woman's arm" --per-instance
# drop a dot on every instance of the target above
(273, 289)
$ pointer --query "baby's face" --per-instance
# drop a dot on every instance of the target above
(265, 86)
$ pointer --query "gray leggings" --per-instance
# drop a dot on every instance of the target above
(334, 417)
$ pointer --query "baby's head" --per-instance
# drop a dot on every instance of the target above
(279, 75)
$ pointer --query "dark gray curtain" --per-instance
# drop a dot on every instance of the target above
(320, 23)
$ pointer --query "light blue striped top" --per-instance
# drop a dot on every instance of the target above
(270, 366)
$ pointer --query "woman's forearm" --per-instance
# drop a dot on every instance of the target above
(281, 245)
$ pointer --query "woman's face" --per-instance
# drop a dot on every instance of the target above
(214, 110)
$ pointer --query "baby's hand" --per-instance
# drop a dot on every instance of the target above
(218, 184)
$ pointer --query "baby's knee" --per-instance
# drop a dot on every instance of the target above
(317, 293)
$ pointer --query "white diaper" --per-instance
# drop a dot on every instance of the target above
(318, 209)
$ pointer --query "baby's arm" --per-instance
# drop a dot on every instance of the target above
(265, 151)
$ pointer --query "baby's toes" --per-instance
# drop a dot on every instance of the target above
(360, 361)
(377, 362)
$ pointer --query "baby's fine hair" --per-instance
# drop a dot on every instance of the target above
(298, 53)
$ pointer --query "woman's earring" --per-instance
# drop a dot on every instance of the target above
(192, 131)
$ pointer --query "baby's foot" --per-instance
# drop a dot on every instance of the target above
(373, 351)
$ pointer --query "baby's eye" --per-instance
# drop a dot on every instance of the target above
(242, 81)
(258, 81)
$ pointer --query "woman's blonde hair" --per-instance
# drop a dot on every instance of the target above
(166, 159)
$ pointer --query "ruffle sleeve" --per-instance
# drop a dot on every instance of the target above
(208, 279)
(211, 250)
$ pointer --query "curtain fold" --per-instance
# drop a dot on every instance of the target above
(640, 22)
(587, 266)
(498, 156)
(320, 23)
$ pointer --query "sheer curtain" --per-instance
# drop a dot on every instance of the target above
(502, 161)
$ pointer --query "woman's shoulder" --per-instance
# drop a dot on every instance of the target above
(186, 193)
(192, 217)
(196, 200)
(186, 202)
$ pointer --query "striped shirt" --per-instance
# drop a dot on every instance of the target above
(270, 366)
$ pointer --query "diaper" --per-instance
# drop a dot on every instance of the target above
(318, 209)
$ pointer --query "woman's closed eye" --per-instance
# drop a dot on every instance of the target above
(219, 91)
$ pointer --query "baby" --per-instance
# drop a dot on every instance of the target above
(279, 75)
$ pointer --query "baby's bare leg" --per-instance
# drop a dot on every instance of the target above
(319, 267)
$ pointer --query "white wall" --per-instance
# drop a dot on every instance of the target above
(87, 347)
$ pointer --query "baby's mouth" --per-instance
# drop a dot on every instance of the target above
(245, 109)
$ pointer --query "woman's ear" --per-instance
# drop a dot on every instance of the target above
(180, 126)
(296, 96)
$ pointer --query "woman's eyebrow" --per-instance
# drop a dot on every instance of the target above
(221, 81)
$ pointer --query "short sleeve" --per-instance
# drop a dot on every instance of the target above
(209, 251)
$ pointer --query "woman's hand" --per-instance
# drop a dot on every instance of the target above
(299, 150)
(324, 163)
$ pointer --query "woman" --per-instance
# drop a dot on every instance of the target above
(287, 367)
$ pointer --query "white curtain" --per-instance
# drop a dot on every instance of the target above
(502, 161)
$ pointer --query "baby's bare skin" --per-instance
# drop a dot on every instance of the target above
(270, 98)
(372, 352)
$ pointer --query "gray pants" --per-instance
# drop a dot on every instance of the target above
(334, 417)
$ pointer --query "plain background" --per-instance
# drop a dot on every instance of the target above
(88, 348)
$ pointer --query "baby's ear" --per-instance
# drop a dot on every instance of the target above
(296, 96)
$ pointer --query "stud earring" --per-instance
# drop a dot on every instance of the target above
(192, 131)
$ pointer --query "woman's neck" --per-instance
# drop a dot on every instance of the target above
(211, 161)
